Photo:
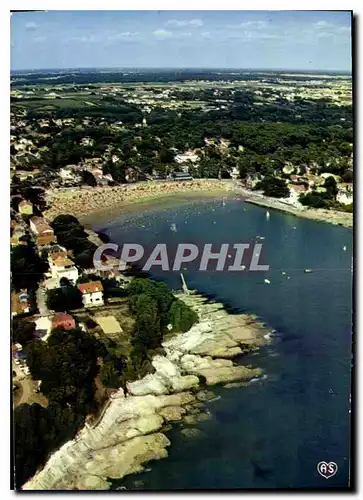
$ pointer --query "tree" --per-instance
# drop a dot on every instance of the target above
(314, 199)
(88, 178)
(66, 365)
(147, 330)
(26, 267)
(166, 156)
(112, 372)
(66, 222)
(272, 186)
(37, 432)
(23, 331)
(181, 316)
(64, 299)
(331, 187)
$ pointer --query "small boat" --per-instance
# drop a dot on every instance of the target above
(267, 281)
(283, 273)
(173, 228)
(214, 399)
(308, 271)
(267, 214)
(344, 248)
(224, 202)
(289, 278)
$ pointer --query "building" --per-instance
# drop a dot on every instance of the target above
(180, 176)
(92, 293)
(345, 194)
(19, 303)
(158, 177)
(234, 173)
(18, 233)
(56, 251)
(25, 207)
(61, 266)
(186, 157)
(68, 175)
(43, 326)
(63, 320)
(288, 169)
(295, 191)
(44, 234)
(251, 181)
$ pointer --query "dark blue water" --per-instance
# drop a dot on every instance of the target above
(272, 433)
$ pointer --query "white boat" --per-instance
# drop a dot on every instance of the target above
(344, 248)
(267, 214)
(267, 281)
(214, 399)
(173, 228)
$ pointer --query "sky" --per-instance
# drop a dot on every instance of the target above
(305, 40)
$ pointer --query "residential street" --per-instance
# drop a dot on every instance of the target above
(26, 384)
(42, 306)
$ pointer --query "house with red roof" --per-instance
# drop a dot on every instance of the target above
(92, 293)
(63, 320)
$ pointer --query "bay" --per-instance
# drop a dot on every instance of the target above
(273, 432)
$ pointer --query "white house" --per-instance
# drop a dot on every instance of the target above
(67, 174)
(43, 326)
(187, 156)
(234, 173)
(61, 266)
(345, 194)
(92, 293)
(295, 191)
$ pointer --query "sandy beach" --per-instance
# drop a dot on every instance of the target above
(101, 204)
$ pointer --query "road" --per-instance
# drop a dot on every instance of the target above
(26, 385)
(41, 303)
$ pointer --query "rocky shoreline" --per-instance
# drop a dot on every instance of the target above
(131, 431)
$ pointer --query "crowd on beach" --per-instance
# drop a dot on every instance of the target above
(89, 201)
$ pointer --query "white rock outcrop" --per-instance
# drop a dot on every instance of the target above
(128, 431)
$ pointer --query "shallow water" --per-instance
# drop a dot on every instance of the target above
(272, 433)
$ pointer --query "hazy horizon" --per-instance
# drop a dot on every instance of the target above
(189, 68)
